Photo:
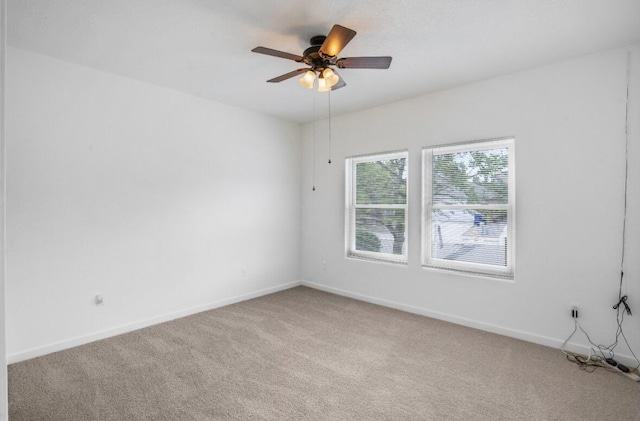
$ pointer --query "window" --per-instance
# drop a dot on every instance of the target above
(376, 214)
(468, 207)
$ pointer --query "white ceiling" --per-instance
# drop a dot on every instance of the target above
(203, 47)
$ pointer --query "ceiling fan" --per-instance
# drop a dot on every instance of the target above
(322, 58)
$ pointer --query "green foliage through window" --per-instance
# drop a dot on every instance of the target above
(367, 241)
(474, 177)
(381, 182)
(378, 204)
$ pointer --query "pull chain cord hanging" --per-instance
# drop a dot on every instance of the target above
(314, 142)
(622, 307)
(329, 126)
(626, 180)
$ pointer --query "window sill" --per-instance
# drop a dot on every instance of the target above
(507, 278)
(366, 258)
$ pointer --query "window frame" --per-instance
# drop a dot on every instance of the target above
(351, 206)
(508, 271)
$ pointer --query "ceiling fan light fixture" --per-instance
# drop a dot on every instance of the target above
(323, 86)
(307, 79)
(330, 76)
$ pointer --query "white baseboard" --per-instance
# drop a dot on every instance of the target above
(129, 327)
(487, 327)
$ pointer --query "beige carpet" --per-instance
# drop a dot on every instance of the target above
(303, 354)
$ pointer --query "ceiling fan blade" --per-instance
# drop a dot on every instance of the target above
(287, 76)
(336, 40)
(364, 62)
(341, 83)
(276, 53)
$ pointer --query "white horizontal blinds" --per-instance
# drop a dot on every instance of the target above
(469, 212)
(475, 177)
(379, 207)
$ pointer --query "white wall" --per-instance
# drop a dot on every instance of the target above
(4, 407)
(569, 123)
(156, 199)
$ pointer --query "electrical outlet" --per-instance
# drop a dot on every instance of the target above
(98, 300)
(574, 310)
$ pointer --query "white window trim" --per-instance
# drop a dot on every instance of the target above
(351, 206)
(506, 272)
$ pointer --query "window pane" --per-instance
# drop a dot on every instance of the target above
(381, 230)
(471, 177)
(472, 236)
(382, 182)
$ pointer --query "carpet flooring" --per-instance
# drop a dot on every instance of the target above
(303, 354)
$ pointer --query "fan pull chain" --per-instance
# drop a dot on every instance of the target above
(329, 126)
(314, 142)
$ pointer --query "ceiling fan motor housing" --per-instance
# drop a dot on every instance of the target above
(312, 55)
